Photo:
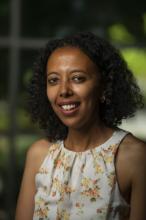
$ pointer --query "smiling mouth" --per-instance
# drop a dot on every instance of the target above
(69, 107)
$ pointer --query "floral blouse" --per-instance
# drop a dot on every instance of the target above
(80, 185)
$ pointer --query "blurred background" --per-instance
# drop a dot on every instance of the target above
(25, 26)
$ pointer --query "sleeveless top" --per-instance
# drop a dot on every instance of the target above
(80, 185)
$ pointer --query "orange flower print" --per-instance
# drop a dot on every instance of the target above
(58, 163)
(80, 208)
(90, 188)
(53, 194)
(42, 213)
(77, 204)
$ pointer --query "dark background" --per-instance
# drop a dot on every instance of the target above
(25, 26)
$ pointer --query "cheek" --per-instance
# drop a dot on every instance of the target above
(50, 95)
(88, 93)
(90, 100)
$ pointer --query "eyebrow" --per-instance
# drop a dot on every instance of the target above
(52, 73)
(72, 71)
(78, 70)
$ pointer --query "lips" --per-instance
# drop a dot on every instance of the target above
(69, 107)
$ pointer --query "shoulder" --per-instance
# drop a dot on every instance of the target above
(131, 164)
(133, 154)
(38, 147)
(134, 173)
(35, 155)
(133, 147)
(37, 152)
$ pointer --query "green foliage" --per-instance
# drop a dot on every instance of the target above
(136, 59)
(118, 33)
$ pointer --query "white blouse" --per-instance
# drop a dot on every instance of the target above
(80, 185)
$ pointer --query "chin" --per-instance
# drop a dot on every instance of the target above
(71, 124)
(75, 124)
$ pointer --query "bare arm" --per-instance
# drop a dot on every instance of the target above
(25, 203)
(138, 178)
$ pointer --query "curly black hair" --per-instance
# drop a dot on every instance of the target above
(122, 96)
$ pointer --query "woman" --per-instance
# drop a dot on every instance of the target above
(86, 168)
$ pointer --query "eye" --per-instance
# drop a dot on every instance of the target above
(53, 81)
(78, 79)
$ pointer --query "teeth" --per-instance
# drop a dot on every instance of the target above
(68, 107)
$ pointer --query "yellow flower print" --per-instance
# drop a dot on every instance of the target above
(90, 188)
(39, 201)
(43, 170)
(57, 185)
(86, 182)
(62, 162)
(52, 149)
(98, 168)
(111, 179)
(42, 208)
(64, 215)
(111, 149)
(109, 159)
(61, 188)
(42, 212)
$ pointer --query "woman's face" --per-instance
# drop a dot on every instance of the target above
(73, 87)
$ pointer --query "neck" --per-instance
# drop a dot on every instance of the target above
(87, 138)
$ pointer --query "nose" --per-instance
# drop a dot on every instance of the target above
(65, 90)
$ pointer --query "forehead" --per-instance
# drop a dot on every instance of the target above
(70, 55)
